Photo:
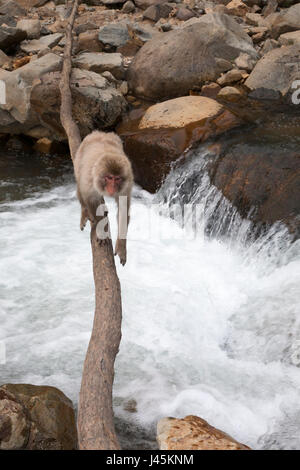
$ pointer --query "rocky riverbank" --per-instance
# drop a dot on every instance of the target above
(211, 65)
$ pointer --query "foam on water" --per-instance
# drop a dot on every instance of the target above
(210, 326)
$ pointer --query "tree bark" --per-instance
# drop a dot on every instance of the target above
(96, 429)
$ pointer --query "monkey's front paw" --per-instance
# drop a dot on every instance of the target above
(120, 250)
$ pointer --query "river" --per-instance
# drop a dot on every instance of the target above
(210, 323)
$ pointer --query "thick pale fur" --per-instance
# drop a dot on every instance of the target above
(100, 154)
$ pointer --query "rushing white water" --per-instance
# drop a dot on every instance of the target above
(210, 327)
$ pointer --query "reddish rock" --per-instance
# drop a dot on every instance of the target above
(166, 130)
(193, 433)
(36, 418)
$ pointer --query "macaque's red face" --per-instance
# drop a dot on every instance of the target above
(112, 184)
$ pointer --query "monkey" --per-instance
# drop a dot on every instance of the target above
(102, 169)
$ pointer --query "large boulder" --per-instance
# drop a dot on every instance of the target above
(36, 418)
(166, 130)
(193, 433)
(16, 116)
(177, 61)
(97, 104)
(260, 179)
(276, 72)
(284, 21)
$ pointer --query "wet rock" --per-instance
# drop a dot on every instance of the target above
(31, 27)
(10, 37)
(97, 104)
(17, 116)
(36, 418)
(193, 433)
(262, 183)
(162, 67)
(113, 35)
(155, 12)
(37, 45)
(9, 7)
(166, 130)
(101, 62)
(276, 71)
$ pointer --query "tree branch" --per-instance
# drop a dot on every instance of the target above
(95, 415)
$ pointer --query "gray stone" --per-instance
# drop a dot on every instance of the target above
(141, 34)
(284, 21)
(31, 27)
(276, 71)
(245, 62)
(4, 59)
(128, 7)
(232, 76)
(114, 35)
(7, 20)
(269, 45)
(37, 45)
(16, 116)
(184, 14)
(9, 7)
(100, 62)
(10, 37)
(97, 104)
(291, 38)
(144, 4)
(175, 62)
(155, 12)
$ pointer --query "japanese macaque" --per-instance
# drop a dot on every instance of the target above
(102, 169)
